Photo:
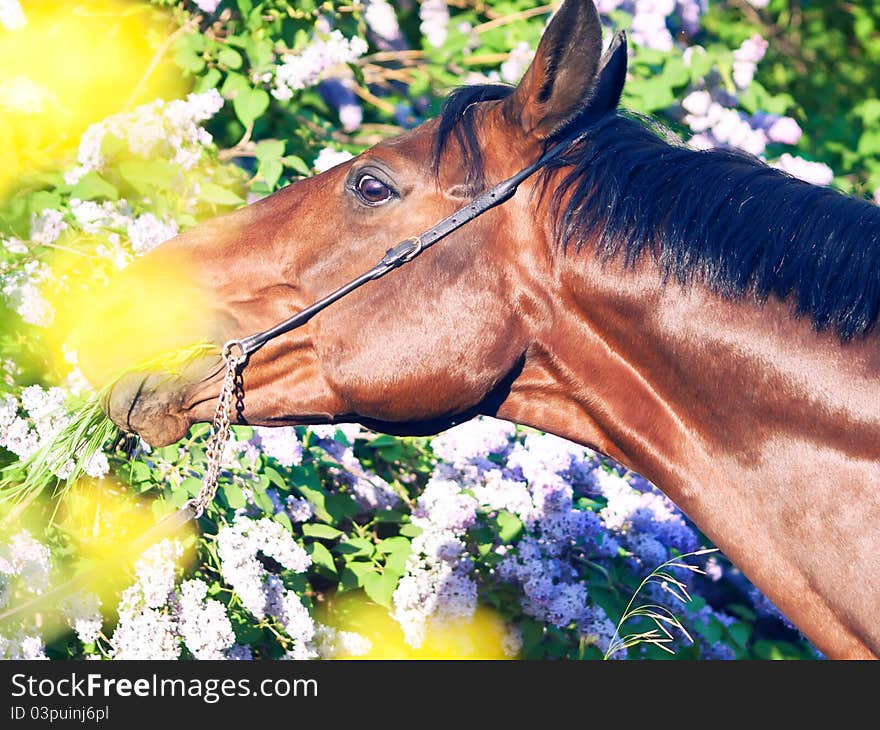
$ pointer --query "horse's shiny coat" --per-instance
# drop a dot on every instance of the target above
(761, 428)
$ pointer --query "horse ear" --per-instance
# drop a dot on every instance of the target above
(566, 75)
(606, 91)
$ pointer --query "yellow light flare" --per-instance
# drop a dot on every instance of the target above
(72, 64)
(481, 637)
(106, 529)
(119, 320)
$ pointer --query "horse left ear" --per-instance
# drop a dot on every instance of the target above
(567, 77)
(605, 94)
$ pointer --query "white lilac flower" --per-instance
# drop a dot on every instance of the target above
(22, 645)
(306, 67)
(437, 585)
(382, 21)
(329, 157)
(97, 465)
(82, 611)
(649, 24)
(299, 626)
(512, 642)
(299, 510)
(155, 571)
(28, 560)
(331, 643)
(280, 443)
(147, 231)
(473, 439)
(517, 62)
(746, 59)
(442, 506)
(12, 16)
(816, 173)
(596, 629)
(207, 6)
(500, 492)
(14, 245)
(145, 634)
(19, 438)
(239, 653)
(697, 103)
(440, 592)
(174, 123)
(47, 225)
(434, 17)
(91, 217)
(238, 546)
(784, 130)
(203, 625)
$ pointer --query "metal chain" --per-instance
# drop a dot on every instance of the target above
(233, 357)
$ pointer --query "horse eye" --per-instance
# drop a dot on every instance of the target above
(373, 191)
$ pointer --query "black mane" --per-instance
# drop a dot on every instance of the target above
(721, 217)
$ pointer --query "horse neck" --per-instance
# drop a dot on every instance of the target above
(763, 431)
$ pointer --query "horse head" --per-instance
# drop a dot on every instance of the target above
(429, 345)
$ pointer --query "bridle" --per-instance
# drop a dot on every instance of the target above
(235, 353)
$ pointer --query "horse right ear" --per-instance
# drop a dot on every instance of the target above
(567, 78)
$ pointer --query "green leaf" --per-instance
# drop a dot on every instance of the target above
(188, 52)
(297, 164)
(213, 193)
(233, 496)
(360, 569)
(230, 58)
(140, 472)
(270, 171)
(264, 502)
(320, 531)
(380, 587)
(146, 175)
(740, 633)
(191, 485)
(393, 544)
(208, 81)
(355, 547)
(410, 530)
(282, 519)
(92, 186)
(340, 507)
(509, 526)
(234, 84)
(321, 557)
(383, 440)
(269, 149)
(43, 199)
(249, 104)
(274, 477)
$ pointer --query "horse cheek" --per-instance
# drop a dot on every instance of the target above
(405, 367)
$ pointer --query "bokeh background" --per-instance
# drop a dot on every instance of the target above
(124, 122)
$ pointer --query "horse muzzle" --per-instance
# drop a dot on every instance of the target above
(160, 407)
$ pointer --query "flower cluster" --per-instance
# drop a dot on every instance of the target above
(306, 67)
(710, 112)
(172, 129)
(25, 571)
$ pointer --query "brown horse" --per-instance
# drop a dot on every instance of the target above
(698, 316)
